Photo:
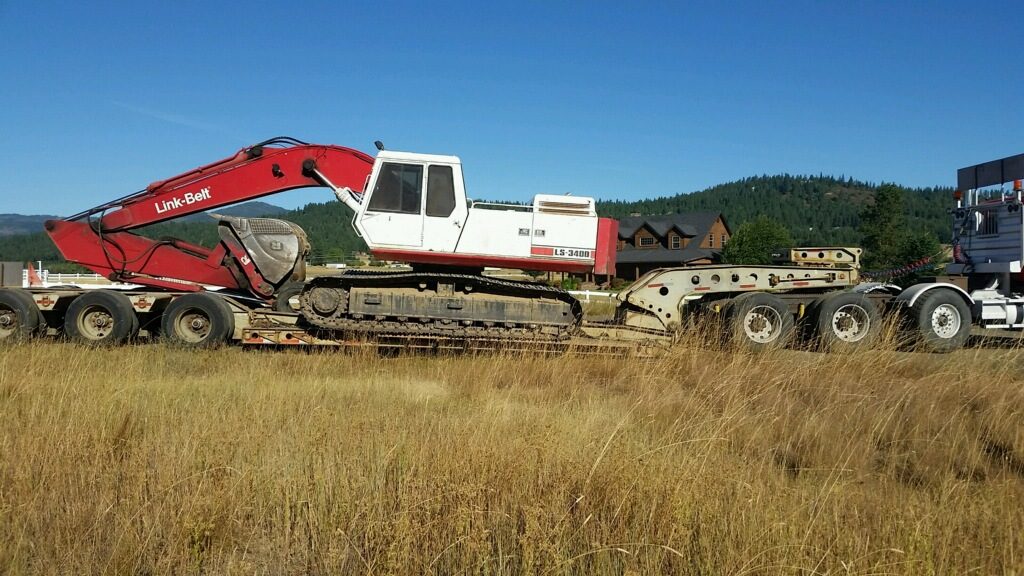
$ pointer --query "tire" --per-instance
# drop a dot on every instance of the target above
(845, 321)
(199, 320)
(757, 321)
(288, 291)
(940, 321)
(101, 318)
(20, 318)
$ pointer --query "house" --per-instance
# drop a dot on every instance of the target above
(649, 242)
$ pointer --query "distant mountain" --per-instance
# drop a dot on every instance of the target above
(253, 209)
(14, 224)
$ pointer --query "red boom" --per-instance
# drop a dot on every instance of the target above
(106, 246)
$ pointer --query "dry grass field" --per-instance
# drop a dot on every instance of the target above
(152, 460)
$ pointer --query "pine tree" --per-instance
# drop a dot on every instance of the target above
(754, 242)
(883, 225)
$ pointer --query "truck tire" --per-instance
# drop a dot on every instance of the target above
(101, 318)
(757, 321)
(199, 320)
(285, 294)
(20, 318)
(845, 321)
(940, 321)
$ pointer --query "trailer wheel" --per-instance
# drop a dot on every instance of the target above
(20, 318)
(940, 320)
(282, 300)
(846, 321)
(101, 318)
(758, 321)
(200, 320)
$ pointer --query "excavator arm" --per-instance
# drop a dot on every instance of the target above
(102, 240)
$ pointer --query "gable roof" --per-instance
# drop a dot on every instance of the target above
(691, 224)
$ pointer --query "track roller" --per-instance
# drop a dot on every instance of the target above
(757, 321)
(200, 320)
(101, 318)
(845, 321)
(20, 318)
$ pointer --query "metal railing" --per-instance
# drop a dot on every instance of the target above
(588, 294)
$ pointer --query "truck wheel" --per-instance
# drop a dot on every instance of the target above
(757, 321)
(846, 321)
(20, 318)
(101, 318)
(282, 300)
(200, 320)
(940, 320)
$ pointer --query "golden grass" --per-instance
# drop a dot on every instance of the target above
(151, 460)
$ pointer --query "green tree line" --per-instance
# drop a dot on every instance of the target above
(813, 209)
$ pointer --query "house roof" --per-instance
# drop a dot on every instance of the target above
(690, 224)
(661, 255)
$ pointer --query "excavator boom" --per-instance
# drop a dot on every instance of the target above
(101, 238)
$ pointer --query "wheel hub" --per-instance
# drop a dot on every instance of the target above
(850, 323)
(194, 326)
(7, 319)
(762, 324)
(946, 321)
(95, 323)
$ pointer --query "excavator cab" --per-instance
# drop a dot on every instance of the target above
(414, 208)
(414, 201)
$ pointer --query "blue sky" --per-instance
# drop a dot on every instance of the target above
(614, 100)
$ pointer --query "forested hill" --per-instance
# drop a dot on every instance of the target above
(816, 209)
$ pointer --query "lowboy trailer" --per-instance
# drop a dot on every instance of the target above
(414, 208)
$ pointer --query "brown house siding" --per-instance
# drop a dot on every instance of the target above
(644, 233)
(717, 230)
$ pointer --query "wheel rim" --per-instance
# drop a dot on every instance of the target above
(762, 324)
(946, 321)
(9, 323)
(193, 325)
(851, 323)
(95, 323)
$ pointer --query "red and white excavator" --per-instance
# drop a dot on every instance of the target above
(408, 207)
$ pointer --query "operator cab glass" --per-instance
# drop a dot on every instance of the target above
(399, 189)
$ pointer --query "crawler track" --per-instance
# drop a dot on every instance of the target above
(439, 305)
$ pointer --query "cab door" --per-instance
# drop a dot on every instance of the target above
(444, 209)
(393, 216)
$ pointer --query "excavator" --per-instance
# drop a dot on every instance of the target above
(407, 207)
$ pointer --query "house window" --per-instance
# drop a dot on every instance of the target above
(711, 240)
(674, 242)
(724, 240)
(646, 241)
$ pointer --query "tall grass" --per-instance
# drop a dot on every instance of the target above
(152, 460)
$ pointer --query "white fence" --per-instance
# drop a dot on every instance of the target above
(83, 280)
(588, 294)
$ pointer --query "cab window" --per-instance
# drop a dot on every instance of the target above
(399, 189)
(440, 191)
